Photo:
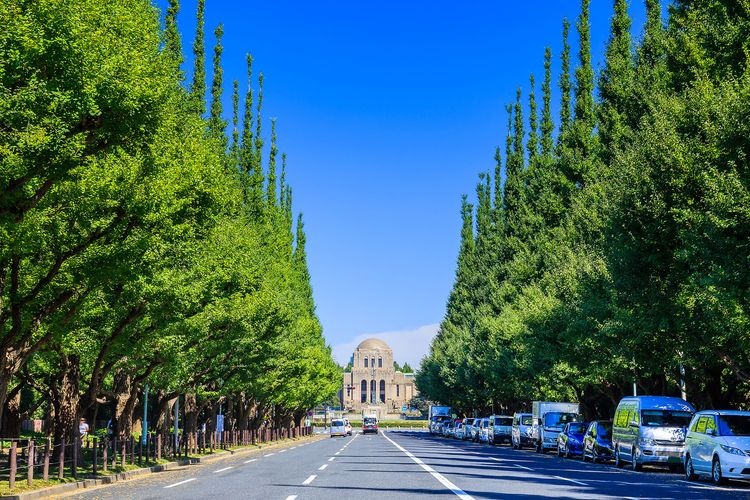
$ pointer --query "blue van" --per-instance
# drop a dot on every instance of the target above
(650, 430)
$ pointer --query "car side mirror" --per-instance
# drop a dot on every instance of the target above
(633, 423)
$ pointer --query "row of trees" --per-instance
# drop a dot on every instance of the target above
(139, 244)
(615, 253)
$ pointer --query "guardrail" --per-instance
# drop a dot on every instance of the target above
(90, 457)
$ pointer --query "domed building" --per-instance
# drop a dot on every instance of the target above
(373, 386)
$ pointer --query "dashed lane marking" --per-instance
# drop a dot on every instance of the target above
(282, 451)
(443, 480)
(523, 467)
(309, 480)
(331, 459)
(181, 482)
(251, 460)
(323, 467)
(291, 497)
(571, 480)
(225, 468)
(270, 454)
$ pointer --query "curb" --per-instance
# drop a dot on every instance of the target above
(70, 488)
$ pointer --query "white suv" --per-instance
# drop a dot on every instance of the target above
(718, 444)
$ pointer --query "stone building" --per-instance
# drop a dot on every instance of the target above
(373, 386)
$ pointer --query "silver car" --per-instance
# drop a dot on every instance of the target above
(717, 444)
(521, 430)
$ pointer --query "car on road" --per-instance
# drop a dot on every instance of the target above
(482, 428)
(348, 426)
(717, 444)
(448, 427)
(521, 430)
(570, 440)
(499, 429)
(651, 430)
(369, 424)
(459, 430)
(597, 442)
(338, 427)
(468, 427)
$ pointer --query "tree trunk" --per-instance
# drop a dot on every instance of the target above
(191, 413)
(65, 398)
(11, 420)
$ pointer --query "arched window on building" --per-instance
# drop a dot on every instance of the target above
(397, 391)
(382, 391)
(363, 385)
(365, 362)
(372, 362)
(373, 392)
(380, 362)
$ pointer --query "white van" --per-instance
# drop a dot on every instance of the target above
(650, 430)
(338, 427)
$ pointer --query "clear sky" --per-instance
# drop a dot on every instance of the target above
(387, 112)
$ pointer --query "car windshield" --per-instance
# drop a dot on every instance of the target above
(558, 419)
(337, 423)
(369, 421)
(527, 420)
(734, 425)
(577, 428)
(504, 421)
(665, 418)
(469, 421)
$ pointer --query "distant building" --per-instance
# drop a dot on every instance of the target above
(373, 385)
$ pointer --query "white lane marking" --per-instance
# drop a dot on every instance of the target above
(264, 456)
(225, 468)
(251, 460)
(291, 497)
(522, 467)
(181, 482)
(443, 480)
(282, 451)
(309, 479)
(705, 487)
(571, 480)
(323, 467)
(331, 459)
(337, 453)
(293, 447)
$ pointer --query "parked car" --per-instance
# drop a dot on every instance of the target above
(448, 427)
(348, 427)
(338, 427)
(718, 444)
(458, 431)
(436, 424)
(570, 440)
(482, 429)
(521, 430)
(597, 442)
(370, 424)
(499, 429)
(468, 427)
(650, 430)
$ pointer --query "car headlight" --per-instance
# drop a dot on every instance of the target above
(647, 442)
(732, 450)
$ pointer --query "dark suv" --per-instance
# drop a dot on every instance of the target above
(369, 424)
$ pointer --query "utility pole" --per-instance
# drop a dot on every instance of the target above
(144, 431)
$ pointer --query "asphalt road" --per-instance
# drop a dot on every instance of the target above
(407, 465)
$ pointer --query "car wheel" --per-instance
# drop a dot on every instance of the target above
(567, 451)
(634, 465)
(583, 454)
(690, 474)
(716, 476)
(618, 460)
(559, 451)
(594, 456)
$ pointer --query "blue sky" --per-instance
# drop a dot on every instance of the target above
(387, 112)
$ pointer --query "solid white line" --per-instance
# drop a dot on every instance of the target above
(225, 468)
(524, 468)
(331, 459)
(443, 480)
(309, 479)
(251, 460)
(571, 480)
(323, 467)
(181, 482)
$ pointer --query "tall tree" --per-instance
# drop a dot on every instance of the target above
(565, 86)
(271, 187)
(198, 88)
(533, 144)
(547, 125)
(172, 43)
(216, 124)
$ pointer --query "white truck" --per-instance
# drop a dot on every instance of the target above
(436, 416)
(548, 419)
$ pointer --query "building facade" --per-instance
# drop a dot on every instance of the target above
(373, 385)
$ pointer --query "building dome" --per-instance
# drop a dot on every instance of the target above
(373, 343)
